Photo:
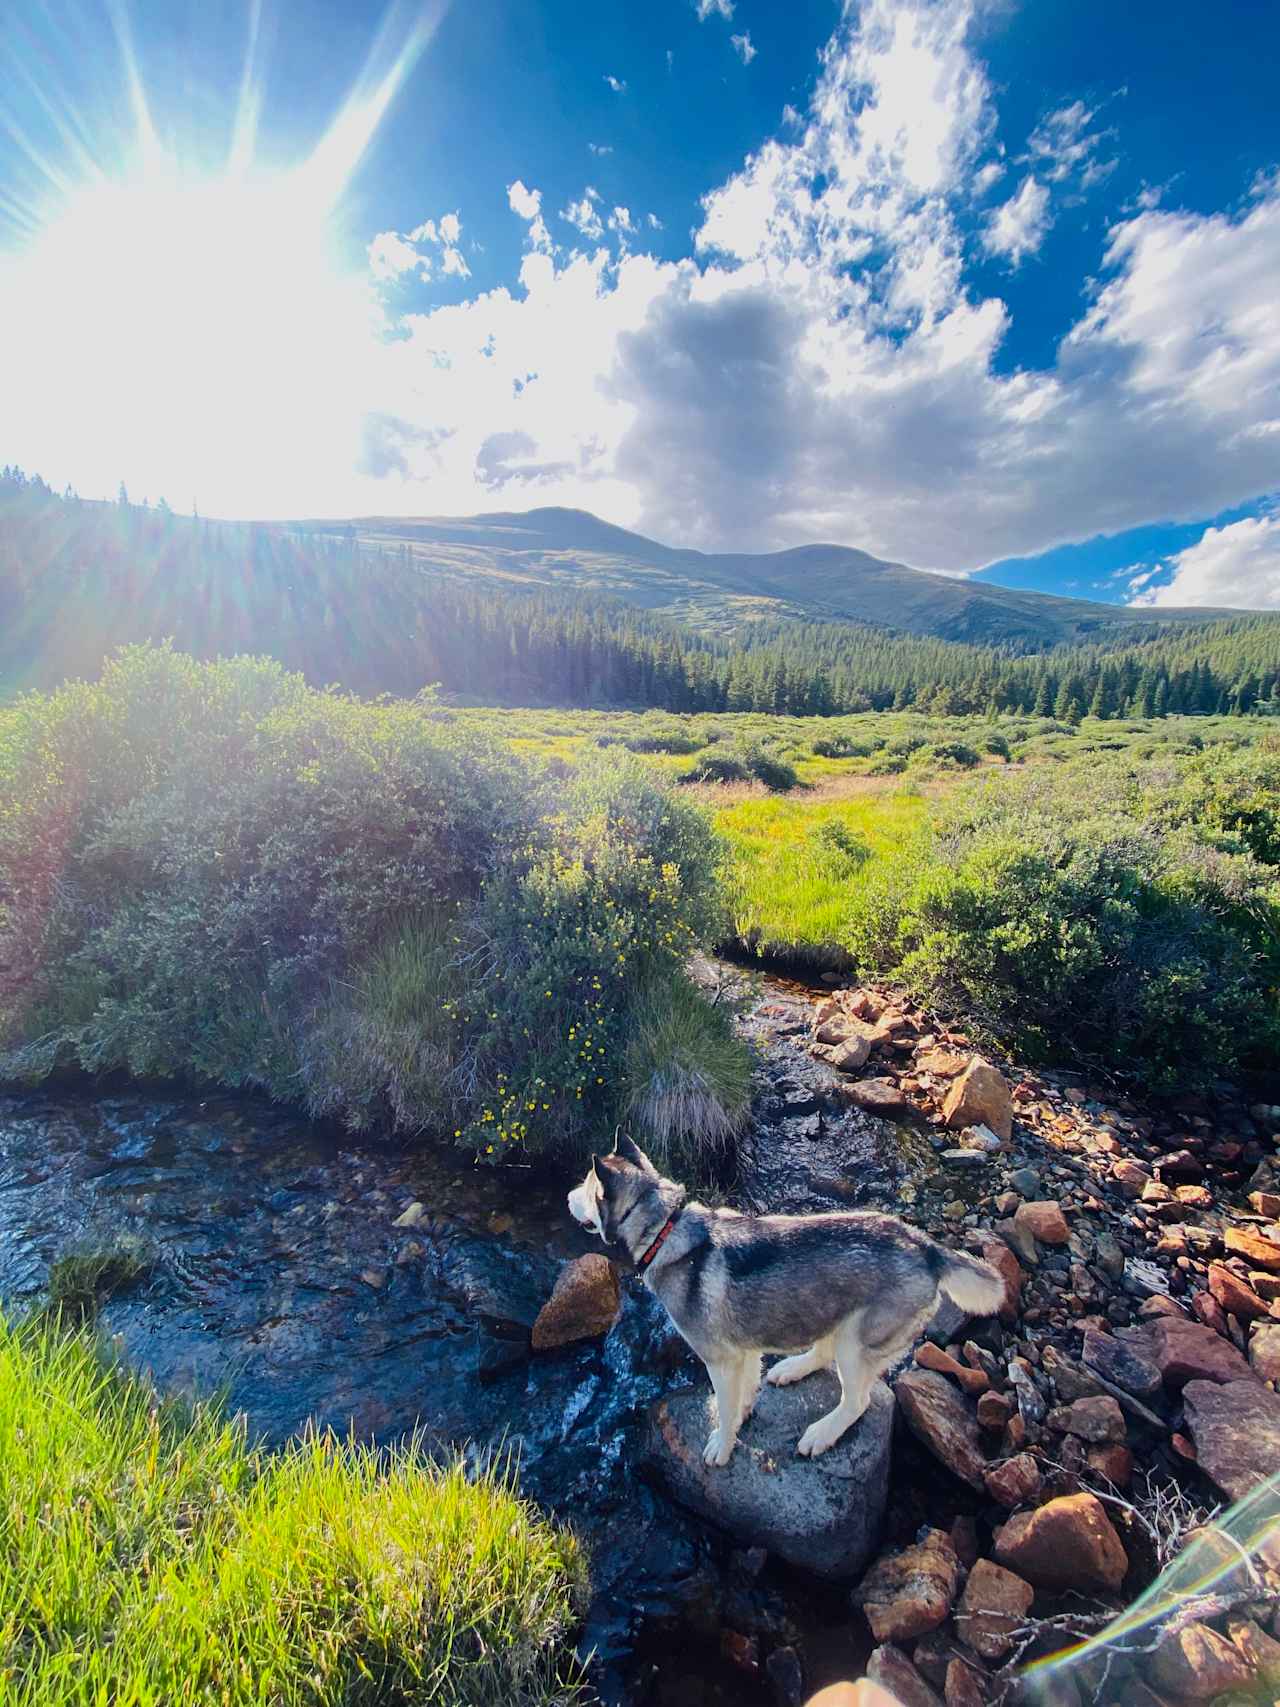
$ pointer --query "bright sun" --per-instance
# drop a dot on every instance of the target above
(192, 323)
(202, 330)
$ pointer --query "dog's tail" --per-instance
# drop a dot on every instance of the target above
(971, 1283)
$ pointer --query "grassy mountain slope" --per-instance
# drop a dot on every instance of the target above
(573, 551)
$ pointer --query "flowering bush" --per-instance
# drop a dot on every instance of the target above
(212, 871)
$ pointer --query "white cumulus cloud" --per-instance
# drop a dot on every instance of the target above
(1237, 565)
(617, 84)
(1017, 228)
(743, 48)
(706, 7)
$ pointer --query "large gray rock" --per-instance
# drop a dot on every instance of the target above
(822, 1514)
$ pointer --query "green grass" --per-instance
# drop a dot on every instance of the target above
(690, 1076)
(789, 886)
(81, 1280)
(150, 1559)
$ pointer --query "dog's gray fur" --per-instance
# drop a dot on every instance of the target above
(851, 1290)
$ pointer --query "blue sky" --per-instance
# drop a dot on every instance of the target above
(979, 286)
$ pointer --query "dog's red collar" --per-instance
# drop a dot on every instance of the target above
(644, 1261)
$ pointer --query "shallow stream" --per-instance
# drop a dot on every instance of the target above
(280, 1280)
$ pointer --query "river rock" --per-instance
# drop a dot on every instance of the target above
(1234, 1295)
(822, 1514)
(994, 1603)
(851, 1053)
(1100, 1420)
(1068, 1543)
(893, 1671)
(1236, 1429)
(583, 1305)
(1195, 1663)
(1015, 1481)
(1044, 1221)
(1264, 1352)
(1254, 1246)
(980, 1097)
(1130, 1176)
(908, 1593)
(506, 1287)
(1184, 1351)
(944, 1421)
(878, 1096)
(1120, 1364)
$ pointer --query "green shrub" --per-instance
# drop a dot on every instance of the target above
(688, 1076)
(844, 747)
(945, 755)
(1060, 918)
(212, 872)
(768, 766)
(717, 767)
(152, 1557)
(999, 746)
(841, 846)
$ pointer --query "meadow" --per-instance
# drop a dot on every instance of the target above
(863, 789)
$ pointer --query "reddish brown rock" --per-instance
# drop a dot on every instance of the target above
(1130, 1177)
(1261, 1653)
(905, 1594)
(1236, 1430)
(1233, 1295)
(994, 1410)
(943, 1420)
(1045, 1221)
(963, 1686)
(1185, 1351)
(583, 1304)
(930, 1356)
(1113, 1463)
(1195, 1663)
(1254, 1246)
(877, 1096)
(1265, 1203)
(1068, 1543)
(1264, 1352)
(892, 1670)
(942, 1063)
(994, 1603)
(980, 1097)
(1206, 1308)
(1015, 1481)
(1098, 1420)
(850, 1054)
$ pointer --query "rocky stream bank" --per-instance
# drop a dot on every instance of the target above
(1044, 1465)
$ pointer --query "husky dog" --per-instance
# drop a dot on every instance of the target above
(851, 1290)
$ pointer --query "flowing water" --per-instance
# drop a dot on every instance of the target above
(278, 1279)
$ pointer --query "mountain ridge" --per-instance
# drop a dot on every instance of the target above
(569, 550)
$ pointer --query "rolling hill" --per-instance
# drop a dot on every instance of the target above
(572, 551)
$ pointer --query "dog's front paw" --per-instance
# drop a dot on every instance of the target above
(716, 1452)
(820, 1436)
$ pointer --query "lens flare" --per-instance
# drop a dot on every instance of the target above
(201, 326)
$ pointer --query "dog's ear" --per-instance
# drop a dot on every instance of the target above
(605, 1172)
(631, 1152)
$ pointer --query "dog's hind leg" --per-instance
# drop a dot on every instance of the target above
(856, 1377)
(821, 1355)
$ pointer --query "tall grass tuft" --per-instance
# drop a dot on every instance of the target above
(150, 1558)
(689, 1076)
